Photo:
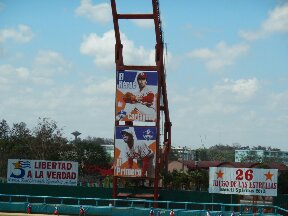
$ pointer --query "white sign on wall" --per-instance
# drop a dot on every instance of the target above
(243, 181)
(42, 172)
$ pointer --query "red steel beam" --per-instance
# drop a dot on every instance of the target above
(135, 16)
(162, 91)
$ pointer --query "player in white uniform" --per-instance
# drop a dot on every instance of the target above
(144, 102)
(136, 152)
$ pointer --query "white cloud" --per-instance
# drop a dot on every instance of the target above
(2, 6)
(99, 13)
(143, 23)
(230, 111)
(22, 72)
(217, 108)
(33, 79)
(61, 92)
(222, 56)
(203, 53)
(277, 21)
(224, 99)
(278, 102)
(202, 103)
(9, 78)
(3, 51)
(23, 34)
(106, 86)
(245, 88)
(252, 35)
(4, 85)
(6, 70)
(49, 63)
(47, 58)
(17, 78)
(136, 55)
(103, 48)
(42, 81)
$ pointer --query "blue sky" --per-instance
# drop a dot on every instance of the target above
(227, 73)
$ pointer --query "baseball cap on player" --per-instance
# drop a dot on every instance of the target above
(142, 75)
(128, 131)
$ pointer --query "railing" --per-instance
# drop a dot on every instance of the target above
(130, 207)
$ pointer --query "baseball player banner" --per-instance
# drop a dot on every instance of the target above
(135, 151)
(243, 181)
(42, 172)
(136, 96)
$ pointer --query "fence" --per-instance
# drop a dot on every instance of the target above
(129, 207)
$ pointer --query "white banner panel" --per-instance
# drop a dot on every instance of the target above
(42, 172)
(243, 181)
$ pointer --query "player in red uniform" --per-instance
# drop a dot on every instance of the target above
(56, 212)
(29, 208)
(151, 213)
(81, 211)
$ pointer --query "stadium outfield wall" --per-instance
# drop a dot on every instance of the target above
(106, 193)
(129, 207)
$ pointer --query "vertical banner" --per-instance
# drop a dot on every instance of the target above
(135, 151)
(136, 96)
(42, 172)
(243, 181)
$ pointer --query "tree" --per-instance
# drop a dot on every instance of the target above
(90, 152)
(221, 153)
(198, 179)
(20, 138)
(45, 142)
(274, 159)
(180, 179)
(13, 143)
(203, 154)
(251, 156)
(283, 183)
(173, 155)
(4, 130)
(4, 146)
(48, 141)
(167, 178)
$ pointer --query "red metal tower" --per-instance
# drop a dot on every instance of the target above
(162, 105)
